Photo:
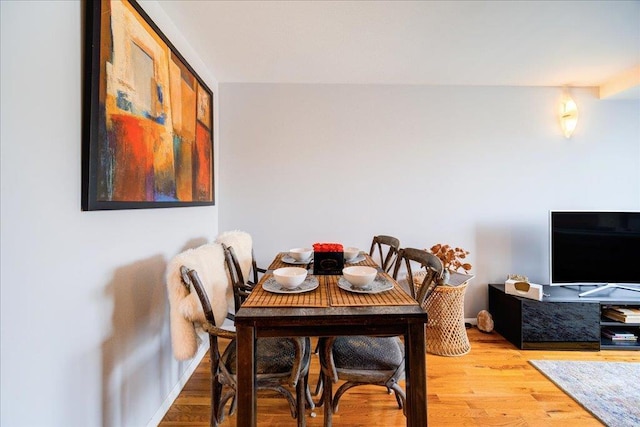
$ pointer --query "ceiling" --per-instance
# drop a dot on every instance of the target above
(504, 43)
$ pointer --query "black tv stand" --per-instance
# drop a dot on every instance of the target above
(563, 320)
(606, 286)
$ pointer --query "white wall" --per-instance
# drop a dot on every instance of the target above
(85, 339)
(476, 167)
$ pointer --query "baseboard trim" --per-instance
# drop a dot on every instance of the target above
(175, 392)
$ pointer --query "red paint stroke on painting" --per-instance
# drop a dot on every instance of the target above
(202, 165)
(132, 140)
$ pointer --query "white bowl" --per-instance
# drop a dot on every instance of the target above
(359, 276)
(350, 253)
(290, 277)
(300, 254)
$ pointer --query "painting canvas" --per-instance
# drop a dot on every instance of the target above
(148, 117)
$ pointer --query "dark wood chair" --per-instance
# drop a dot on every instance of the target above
(385, 248)
(282, 363)
(241, 288)
(255, 271)
(431, 264)
(369, 360)
(244, 239)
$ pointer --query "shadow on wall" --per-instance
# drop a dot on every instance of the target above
(503, 249)
(136, 357)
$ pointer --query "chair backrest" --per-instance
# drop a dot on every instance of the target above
(428, 261)
(242, 244)
(387, 250)
(190, 278)
(241, 290)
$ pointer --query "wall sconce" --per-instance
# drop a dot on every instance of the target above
(568, 114)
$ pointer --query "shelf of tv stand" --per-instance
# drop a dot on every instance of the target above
(605, 322)
(562, 320)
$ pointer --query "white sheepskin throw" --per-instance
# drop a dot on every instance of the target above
(184, 305)
(242, 245)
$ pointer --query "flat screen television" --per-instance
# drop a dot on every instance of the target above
(595, 248)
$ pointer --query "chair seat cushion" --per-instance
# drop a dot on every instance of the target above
(368, 353)
(274, 355)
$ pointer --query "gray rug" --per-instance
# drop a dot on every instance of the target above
(609, 390)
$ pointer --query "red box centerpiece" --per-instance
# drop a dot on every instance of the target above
(328, 258)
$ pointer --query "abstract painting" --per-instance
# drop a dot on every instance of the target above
(147, 116)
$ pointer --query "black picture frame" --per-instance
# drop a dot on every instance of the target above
(148, 123)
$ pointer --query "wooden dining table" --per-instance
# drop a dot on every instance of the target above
(330, 310)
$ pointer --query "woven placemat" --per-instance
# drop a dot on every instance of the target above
(261, 298)
(340, 298)
(278, 263)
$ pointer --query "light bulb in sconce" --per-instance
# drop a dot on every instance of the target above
(568, 115)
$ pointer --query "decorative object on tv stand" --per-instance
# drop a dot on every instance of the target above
(452, 259)
(519, 285)
(568, 114)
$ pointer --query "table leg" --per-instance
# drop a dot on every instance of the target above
(416, 378)
(246, 392)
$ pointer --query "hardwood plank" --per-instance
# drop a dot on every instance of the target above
(492, 385)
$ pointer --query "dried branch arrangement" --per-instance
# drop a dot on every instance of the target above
(452, 258)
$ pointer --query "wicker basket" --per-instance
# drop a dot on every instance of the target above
(446, 333)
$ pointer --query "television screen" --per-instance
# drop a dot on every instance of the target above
(594, 247)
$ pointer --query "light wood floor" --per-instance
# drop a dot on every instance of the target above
(493, 385)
